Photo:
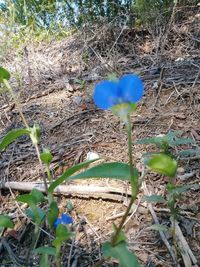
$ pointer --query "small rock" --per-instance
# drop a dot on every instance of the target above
(92, 155)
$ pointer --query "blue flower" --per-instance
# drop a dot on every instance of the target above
(64, 219)
(128, 90)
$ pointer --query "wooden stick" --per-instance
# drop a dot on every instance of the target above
(85, 191)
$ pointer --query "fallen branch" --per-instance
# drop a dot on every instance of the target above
(85, 191)
(184, 249)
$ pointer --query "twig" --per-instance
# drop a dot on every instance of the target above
(162, 235)
(186, 253)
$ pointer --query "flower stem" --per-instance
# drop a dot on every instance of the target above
(16, 102)
(27, 127)
(134, 182)
(34, 240)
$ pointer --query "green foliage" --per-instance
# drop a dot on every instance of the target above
(163, 164)
(4, 74)
(11, 136)
(62, 234)
(121, 253)
(36, 214)
(189, 152)
(171, 139)
(5, 221)
(45, 250)
(68, 173)
(46, 156)
(32, 199)
(52, 214)
(44, 261)
(154, 198)
(159, 227)
(150, 11)
(115, 170)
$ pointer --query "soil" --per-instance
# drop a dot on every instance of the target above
(54, 85)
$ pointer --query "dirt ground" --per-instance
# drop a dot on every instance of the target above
(55, 90)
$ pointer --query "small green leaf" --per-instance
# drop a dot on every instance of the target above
(121, 253)
(4, 74)
(37, 195)
(11, 136)
(52, 214)
(26, 198)
(62, 234)
(112, 77)
(45, 250)
(115, 170)
(163, 164)
(177, 190)
(69, 205)
(150, 140)
(159, 227)
(33, 198)
(189, 152)
(35, 133)
(36, 214)
(46, 156)
(68, 173)
(154, 198)
(181, 141)
(5, 221)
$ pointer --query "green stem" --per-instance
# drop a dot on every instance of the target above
(58, 258)
(16, 102)
(134, 182)
(48, 173)
(43, 176)
(33, 243)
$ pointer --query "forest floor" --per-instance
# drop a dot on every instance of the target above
(54, 83)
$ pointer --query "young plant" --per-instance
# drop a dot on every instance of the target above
(165, 163)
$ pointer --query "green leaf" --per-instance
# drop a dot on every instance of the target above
(52, 214)
(46, 156)
(33, 198)
(181, 141)
(150, 140)
(4, 74)
(62, 234)
(5, 221)
(154, 198)
(26, 198)
(189, 152)
(68, 173)
(121, 253)
(36, 214)
(37, 195)
(45, 250)
(69, 205)
(177, 190)
(163, 164)
(159, 227)
(115, 170)
(11, 136)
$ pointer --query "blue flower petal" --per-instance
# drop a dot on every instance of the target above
(57, 222)
(106, 94)
(66, 219)
(131, 88)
